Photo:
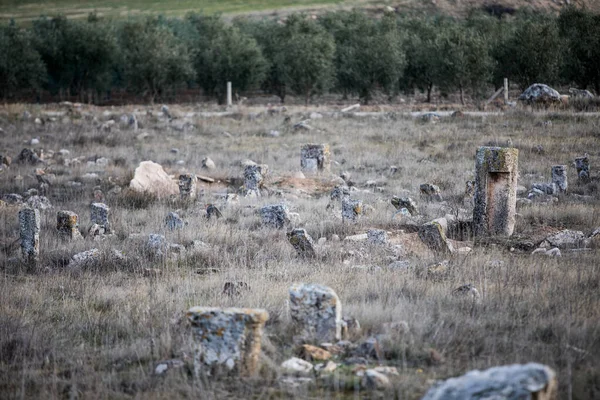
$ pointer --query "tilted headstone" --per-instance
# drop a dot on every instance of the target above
(254, 176)
(405, 202)
(276, 216)
(495, 191)
(67, 225)
(187, 186)
(559, 177)
(227, 339)
(302, 242)
(351, 209)
(517, 381)
(583, 168)
(29, 229)
(316, 311)
(433, 235)
(315, 157)
(99, 216)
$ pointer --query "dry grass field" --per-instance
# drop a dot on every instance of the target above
(98, 331)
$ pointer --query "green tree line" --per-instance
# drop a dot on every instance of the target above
(346, 52)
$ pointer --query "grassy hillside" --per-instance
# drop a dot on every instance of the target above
(26, 10)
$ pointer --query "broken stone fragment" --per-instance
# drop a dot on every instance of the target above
(405, 202)
(351, 209)
(432, 234)
(302, 242)
(276, 216)
(67, 225)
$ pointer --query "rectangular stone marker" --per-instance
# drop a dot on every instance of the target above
(316, 311)
(583, 168)
(29, 230)
(315, 157)
(227, 339)
(275, 216)
(99, 216)
(187, 186)
(559, 177)
(67, 225)
(351, 209)
(495, 191)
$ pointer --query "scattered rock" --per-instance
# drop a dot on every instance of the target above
(316, 311)
(234, 289)
(173, 221)
(297, 366)
(28, 156)
(565, 239)
(376, 380)
(467, 290)
(302, 242)
(39, 202)
(276, 216)
(538, 93)
(315, 353)
(377, 236)
(151, 178)
(553, 252)
(87, 258)
(405, 202)
(164, 366)
(430, 192)
(207, 163)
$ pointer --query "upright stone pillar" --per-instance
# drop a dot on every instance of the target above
(29, 230)
(495, 191)
(583, 168)
(187, 186)
(317, 312)
(254, 176)
(67, 225)
(99, 216)
(315, 157)
(351, 209)
(227, 339)
(559, 177)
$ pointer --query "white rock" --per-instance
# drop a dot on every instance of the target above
(151, 178)
(297, 365)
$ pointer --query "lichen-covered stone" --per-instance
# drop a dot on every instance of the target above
(405, 202)
(86, 258)
(99, 215)
(276, 216)
(67, 225)
(39, 202)
(157, 244)
(173, 221)
(565, 239)
(432, 234)
(302, 242)
(28, 156)
(316, 311)
(495, 191)
(254, 175)
(377, 236)
(510, 382)
(315, 157)
(539, 93)
(430, 191)
(559, 177)
(583, 168)
(227, 339)
(351, 209)
(187, 186)
(29, 229)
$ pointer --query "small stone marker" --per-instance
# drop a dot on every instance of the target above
(432, 234)
(99, 216)
(559, 177)
(495, 199)
(351, 209)
(430, 191)
(187, 186)
(302, 242)
(583, 168)
(315, 157)
(405, 202)
(29, 229)
(67, 225)
(227, 339)
(517, 381)
(173, 221)
(254, 176)
(317, 312)
(276, 216)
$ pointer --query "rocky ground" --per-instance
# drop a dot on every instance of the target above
(102, 311)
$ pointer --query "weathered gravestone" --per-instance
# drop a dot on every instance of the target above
(67, 225)
(351, 209)
(174, 221)
(315, 157)
(99, 216)
(510, 382)
(583, 168)
(316, 311)
(302, 243)
(187, 186)
(254, 176)
(276, 216)
(495, 191)
(227, 339)
(29, 229)
(559, 177)
(433, 235)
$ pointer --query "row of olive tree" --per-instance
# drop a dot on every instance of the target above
(348, 52)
